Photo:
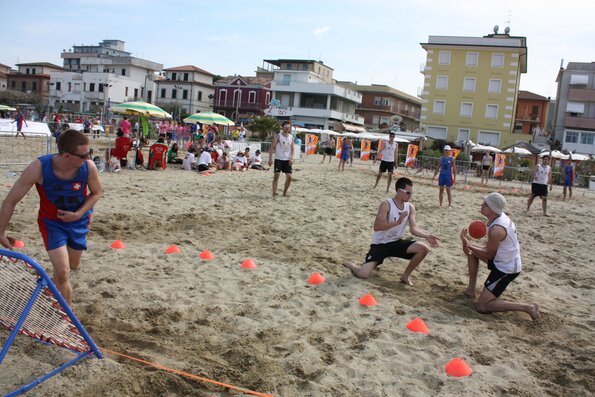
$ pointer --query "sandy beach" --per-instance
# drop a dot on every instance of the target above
(269, 331)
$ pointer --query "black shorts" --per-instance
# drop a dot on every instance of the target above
(497, 281)
(485, 167)
(387, 166)
(282, 166)
(203, 167)
(397, 249)
(537, 189)
(329, 151)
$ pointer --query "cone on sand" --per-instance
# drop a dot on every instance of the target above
(418, 325)
(118, 245)
(19, 244)
(316, 278)
(368, 300)
(458, 368)
(248, 264)
(172, 249)
(206, 255)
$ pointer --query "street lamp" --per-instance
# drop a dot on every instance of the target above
(49, 101)
(106, 102)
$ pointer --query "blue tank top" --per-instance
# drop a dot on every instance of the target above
(446, 166)
(58, 194)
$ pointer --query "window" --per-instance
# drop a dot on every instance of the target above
(33, 71)
(435, 132)
(497, 60)
(444, 58)
(123, 72)
(14, 84)
(387, 102)
(136, 92)
(441, 82)
(23, 85)
(305, 66)
(384, 120)
(377, 101)
(163, 93)
(185, 94)
(289, 66)
(34, 86)
(471, 59)
(59, 86)
(100, 87)
(466, 109)
(579, 79)
(469, 84)
(174, 93)
(252, 97)
(199, 96)
(575, 107)
(571, 137)
(174, 75)
(491, 111)
(464, 134)
(126, 91)
(222, 97)
(439, 107)
(587, 138)
(91, 87)
(494, 86)
(376, 120)
(84, 86)
(27, 71)
(69, 86)
(185, 76)
(286, 79)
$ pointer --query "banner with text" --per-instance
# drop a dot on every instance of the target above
(366, 148)
(411, 155)
(499, 165)
(454, 153)
(311, 142)
(379, 150)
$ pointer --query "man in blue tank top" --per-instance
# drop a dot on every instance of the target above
(69, 186)
(448, 172)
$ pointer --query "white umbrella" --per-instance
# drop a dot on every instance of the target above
(350, 134)
(482, 149)
(555, 154)
(518, 150)
(579, 157)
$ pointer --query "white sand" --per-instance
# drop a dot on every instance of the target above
(270, 331)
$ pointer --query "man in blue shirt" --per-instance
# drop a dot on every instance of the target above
(448, 172)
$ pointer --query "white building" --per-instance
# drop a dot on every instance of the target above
(310, 97)
(100, 75)
(188, 87)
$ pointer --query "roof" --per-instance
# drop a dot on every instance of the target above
(250, 80)
(47, 64)
(385, 89)
(188, 68)
(531, 96)
(278, 62)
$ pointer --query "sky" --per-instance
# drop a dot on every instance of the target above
(366, 41)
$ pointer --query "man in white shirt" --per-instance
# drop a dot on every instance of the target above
(283, 148)
(502, 253)
(542, 176)
(188, 162)
(389, 156)
(204, 161)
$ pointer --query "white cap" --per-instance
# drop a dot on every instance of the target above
(496, 202)
(447, 147)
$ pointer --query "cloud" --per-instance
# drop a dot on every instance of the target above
(322, 30)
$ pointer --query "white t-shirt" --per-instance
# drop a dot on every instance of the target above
(240, 159)
(188, 161)
(204, 159)
(388, 152)
(541, 174)
(283, 147)
(257, 160)
(486, 159)
(508, 255)
(395, 232)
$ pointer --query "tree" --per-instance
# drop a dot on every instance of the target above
(262, 126)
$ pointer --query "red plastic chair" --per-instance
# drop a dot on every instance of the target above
(123, 146)
(157, 156)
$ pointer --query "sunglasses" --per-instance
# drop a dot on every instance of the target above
(81, 156)
(407, 192)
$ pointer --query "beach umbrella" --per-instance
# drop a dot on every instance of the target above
(579, 157)
(8, 108)
(555, 154)
(483, 149)
(140, 108)
(518, 150)
(209, 118)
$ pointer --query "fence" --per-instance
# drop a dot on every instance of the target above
(19, 151)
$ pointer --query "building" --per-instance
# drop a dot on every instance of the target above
(187, 87)
(96, 75)
(471, 86)
(574, 120)
(531, 114)
(32, 78)
(306, 93)
(383, 106)
(241, 98)
(4, 71)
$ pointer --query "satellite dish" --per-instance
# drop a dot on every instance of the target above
(496, 29)
(507, 30)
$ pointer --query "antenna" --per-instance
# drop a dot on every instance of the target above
(496, 29)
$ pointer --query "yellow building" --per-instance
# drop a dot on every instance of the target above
(471, 86)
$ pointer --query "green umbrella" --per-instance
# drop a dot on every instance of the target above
(209, 118)
(140, 108)
(4, 107)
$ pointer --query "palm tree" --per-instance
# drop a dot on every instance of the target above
(263, 126)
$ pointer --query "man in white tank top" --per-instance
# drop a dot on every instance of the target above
(388, 162)
(502, 253)
(282, 147)
(389, 228)
(542, 176)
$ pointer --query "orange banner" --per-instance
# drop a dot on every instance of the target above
(366, 148)
(454, 153)
(311, 142)
(379, 150)
(411, 155)
(499, 165)
(338, 148)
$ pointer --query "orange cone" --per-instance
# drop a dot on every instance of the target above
(458, 368)
(19, 244)
(368, 300)
(205, 174)
(206, 255)
(172, 249)
(118, 245)
(316, 279)
(418, 325)
(248, 264)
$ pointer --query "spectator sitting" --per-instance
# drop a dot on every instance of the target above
(239, 162)
(248, 157)
(99, 163)
(257, 162)
(223, 162)
(189, 162)
(172, 155)
(204, 161)
(114, 164)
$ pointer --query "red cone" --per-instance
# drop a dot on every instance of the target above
(368, 300)
(118, 245)
(458, 368)
(206, 255)
(418, 325)
(248, 264)
(316, 279)
(172, 249)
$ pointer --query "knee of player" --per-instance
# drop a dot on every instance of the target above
(61, 275)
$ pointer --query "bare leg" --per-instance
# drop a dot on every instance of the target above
(473, 265)
(544, 206)
(440, 195)
(323, 158)
(564, 193)
(61, 265)
(275, 183)
(420, 250)
(74, 258)
(569, 192)
(448, 194)
(390, 179)
(287, 183)
(362, 271)
(488, 303)
(378, 179)
(530, 202)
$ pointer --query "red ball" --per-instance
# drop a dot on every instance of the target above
(477, 229)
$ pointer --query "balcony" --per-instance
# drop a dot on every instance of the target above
(243, 105)
(581, 95)
(579, 122)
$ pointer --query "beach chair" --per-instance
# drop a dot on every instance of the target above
(157, 156)
(123, 146)
(31, 305)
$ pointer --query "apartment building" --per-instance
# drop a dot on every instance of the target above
(241, 98)
(310, 97)
(471, 86)
(189, 87)
(574, 120)
(32, 78)
(97, 75)
(531, 113)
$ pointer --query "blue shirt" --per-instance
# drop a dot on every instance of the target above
(446, 166)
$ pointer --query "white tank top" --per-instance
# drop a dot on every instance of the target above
(508, 256)
(388, 152)
(541, 174)
(283, 148)
(396, 232)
